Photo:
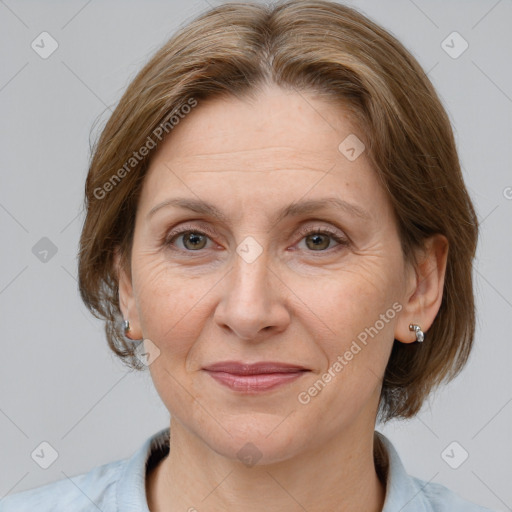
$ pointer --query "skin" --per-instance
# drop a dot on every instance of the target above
(295, 303)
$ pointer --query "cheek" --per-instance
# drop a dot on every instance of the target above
(355, 298)
(171, 310)
(169, 304)
(354, 320)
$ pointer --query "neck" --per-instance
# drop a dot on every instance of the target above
(339, 475)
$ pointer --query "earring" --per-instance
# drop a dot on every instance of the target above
(420, 335)
(126, 327)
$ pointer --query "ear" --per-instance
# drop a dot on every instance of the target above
(127, 302)
(425, 285)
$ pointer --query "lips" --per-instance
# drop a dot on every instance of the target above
(255, 377)
(237, 368)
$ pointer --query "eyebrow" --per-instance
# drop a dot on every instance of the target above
(294, 209)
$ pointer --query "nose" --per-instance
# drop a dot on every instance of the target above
(253, 303)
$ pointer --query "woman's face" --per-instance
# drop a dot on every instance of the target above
(260, 284)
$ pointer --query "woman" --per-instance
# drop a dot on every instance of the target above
(277, 226)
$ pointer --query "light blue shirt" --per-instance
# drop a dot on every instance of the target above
(119, 486)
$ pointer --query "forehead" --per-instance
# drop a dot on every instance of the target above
(273, 117)
(279, 146)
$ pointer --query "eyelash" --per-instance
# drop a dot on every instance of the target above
(169, 238)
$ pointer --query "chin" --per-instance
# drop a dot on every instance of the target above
(256, 441)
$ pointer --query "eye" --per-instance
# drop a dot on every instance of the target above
(193, 239)
(318, 240)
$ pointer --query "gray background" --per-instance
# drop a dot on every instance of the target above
(59, 383)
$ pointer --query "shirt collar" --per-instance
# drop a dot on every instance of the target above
(131, 487)
(402, 491)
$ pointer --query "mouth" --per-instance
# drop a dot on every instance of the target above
(256, 377)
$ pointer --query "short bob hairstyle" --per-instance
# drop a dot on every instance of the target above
(314, 46)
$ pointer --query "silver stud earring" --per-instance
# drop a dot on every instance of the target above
(126, 327)
(420, 335)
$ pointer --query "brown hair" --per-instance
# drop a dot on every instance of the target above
(325, 48)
